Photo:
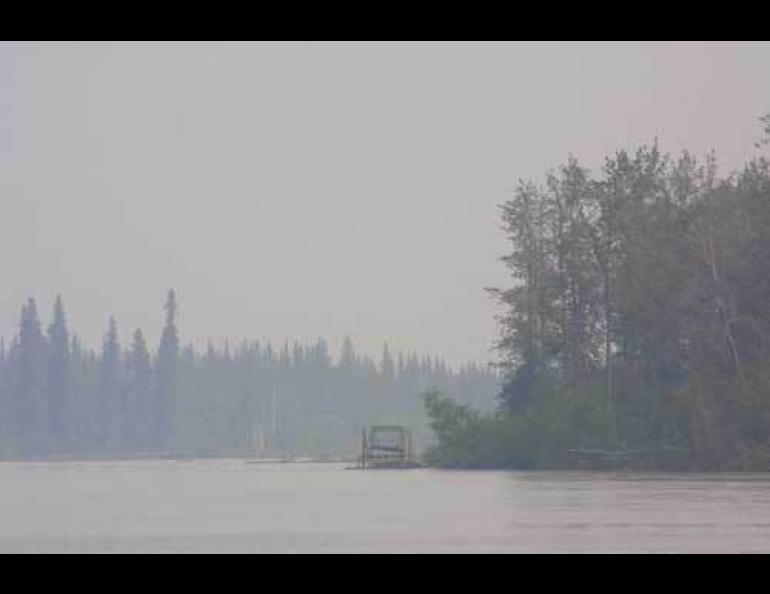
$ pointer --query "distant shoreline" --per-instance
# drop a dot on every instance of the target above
(245, 459)
(180, 458)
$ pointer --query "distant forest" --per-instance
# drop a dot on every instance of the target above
(60, 399)
(636, 330)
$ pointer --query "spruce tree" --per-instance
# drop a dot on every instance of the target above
(110, 386)
(4, 395)
(80, 419)
(29, 389)
(58, 383)
(138, 386)
(166, 376)
(387, 367)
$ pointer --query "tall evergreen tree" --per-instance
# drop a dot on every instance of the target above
(5, 409)
(81, 409)
(387, 365)
(166, 378)
(110, 386)
(138, 387)
(348, 358)
(29, 388)
(58, 384)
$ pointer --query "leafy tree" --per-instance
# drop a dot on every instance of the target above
(636, 319)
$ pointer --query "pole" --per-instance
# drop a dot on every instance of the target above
(364, 448)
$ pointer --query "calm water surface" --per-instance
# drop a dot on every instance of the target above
(231, 506)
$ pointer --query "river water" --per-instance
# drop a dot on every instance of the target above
(231, 506)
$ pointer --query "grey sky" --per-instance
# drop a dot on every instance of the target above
(305, 190)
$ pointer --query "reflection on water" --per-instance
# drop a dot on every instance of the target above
(231, 506)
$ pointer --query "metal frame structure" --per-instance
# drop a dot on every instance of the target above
(386, 446)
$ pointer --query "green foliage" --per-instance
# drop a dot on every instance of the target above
(636, 327)
(467, 438)
(538, 437)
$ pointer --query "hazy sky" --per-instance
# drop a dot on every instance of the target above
(327, 189)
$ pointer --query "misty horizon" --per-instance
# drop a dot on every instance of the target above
(303, 190)
(336, 348)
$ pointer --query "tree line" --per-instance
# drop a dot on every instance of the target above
(637, 327)
(60, 398)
